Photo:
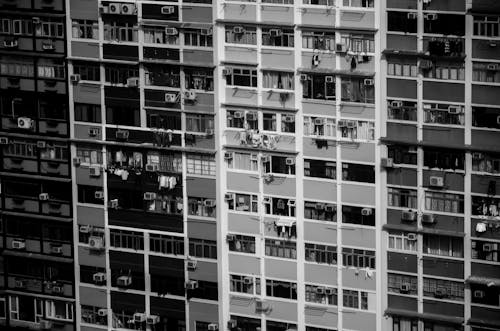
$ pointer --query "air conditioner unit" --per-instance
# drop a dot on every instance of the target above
(139, 317)
(247, 280)
(454, 109)
(93, 132)
(329, 79)
(366, 211)
(152, 167)
(148, 196)
(57, 289)
(288, 119)
(41, 144)
(319, 121)
(20, 283)
(170, 97)
(340, 48)
(75, 78)
(213, 327)
(56, 249)
(409, 216)
(18, 244)
(209, 203)
(231, 324)
(412, 236)
(320, 290)
(102, 312)
(275, 32)
(440, 293)
(99, 277)
(251, 117)
(230, 238)
(487, 247)
(425, 64)
(122, 134)
(227, 71)
(436, 181)
(304, 77)
(428, 219)
(99, 195)
(95, 171)
(45, 325)
(329, 291)
(114, 8)
(431, 16)
(387, 162)
(238, 114)
(96, 242)
(396, 104)
(171, 31)
(190, 95)
(191, 285)
(24, 123)
(4, 141)
(479, 294)
(206, 32)
(124, 281)
(85, 228)
(404, 288)
(238, 29)
(492, 67)
(43, 197)
(152, 319)
(342, 123)
(228, 197)
(191, 265)
(133, 82)
(412, 16)
(289, 161)
(127, 9)
(167, 10)
(330, 208)
(368, 82)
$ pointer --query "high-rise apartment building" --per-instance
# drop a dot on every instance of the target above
(270, 165)
(36, 258)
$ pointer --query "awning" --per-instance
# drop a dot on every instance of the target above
(424, 316)
(336, 72)
(488, 281)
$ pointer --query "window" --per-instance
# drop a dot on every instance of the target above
(358, 172)
(486, 26)
(203, 248)
(201, 207)
(280, 165)
(320, 211)
(398, 197)
(48, 70)
(358, 90)
(86, 194)
(49, 28)
(444, 159)
(484, 294)
(11, 67)
(486, 117)
(486, 162)
(54, 152)
(447, 24)
(278, 80)
(402, 68)
(241, 35)
(21, 148)
(402, 110)
(206, 290)
(242, 77)
(358, 215)
(3, 308)
(403, 154)
(279, 326)
(359, 43)
(199, 164)
(18, 27)
(242, 161)
(322, 254)
(201, 326)
(126, 239)
(312, 328)
(486, 206)
(85, 29)
(87, 113)
(441, 288)
(161, 75)
(279, 206)
(321, 294)
(90, 315)
(59, 310)
(244, 284)
(485, 72)
(353, 129)
(444, 202)
(199, 79)
(318, 40)
(243, 202)
(320, 169)
(319, 87)
(5, 25)
(164, 120)
(157, 35)
(402, 284)
(443, 245)
(319, 2)
(194, 37)
(89, 155)
(165, 244)
(115, 74)
(241, 243)
(402, 241)
(87, 71)
(404, 324)
(199, 122)
(352, 257)
(446, 71)
(444, 114)
(281, 289)
(402, 21)
(121, 32)
(319, 126)
(281, 248)
(359, 3)
(351, 299)
(282, 2)
(277, 37)
(486, 251)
